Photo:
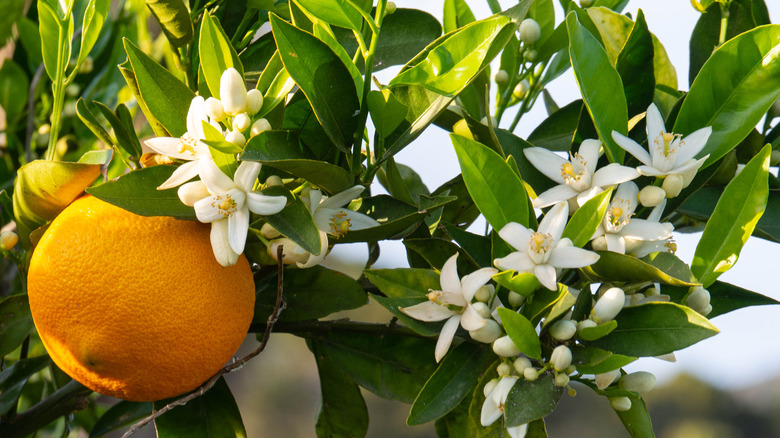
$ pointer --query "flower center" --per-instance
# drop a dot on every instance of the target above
(618, 214)
(671, 245)
(188, 145)
(575, 173)
(228, 203)
(340, 224)
(539, 247)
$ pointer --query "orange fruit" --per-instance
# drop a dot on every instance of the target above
(136, 307)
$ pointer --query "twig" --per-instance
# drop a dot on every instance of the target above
(278, 307)
(70, 398)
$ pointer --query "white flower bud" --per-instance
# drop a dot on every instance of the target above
(521, 363)
(635, 299)
(259, 126)
(504, 369)
(521, 89)
(561, 380)
(605, 379)
(530, 55)
(504, 347)
(490, 386)
(485, 293)
(669, 357)
(8, 240)
(192, 192)
(487, 333)
(269, 232)
(236, 138)
(232, 92)
(560, 358)
(44, 129)
(699, 299)
(515, 299)
(587, 323)
(571, 369)
(563, 330)
(530, 32)
(289, 254)
(707, 310)
(599, 243)
(214, 109)
(530, 374)
(273, 180)
(482, 309)
(502, 77)
(390, 8)
(640, 381)
(651, 196)
(241, 122)
(620, 404)
(254, 101)
(608, 306)
(673, 185)
(688, 175)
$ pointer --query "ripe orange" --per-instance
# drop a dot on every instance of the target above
(136, 307)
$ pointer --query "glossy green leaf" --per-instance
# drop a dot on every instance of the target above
(13, 378)
(404, 282)
(733, 90)
(733, 221)
(529, 401)
(216, 53)
(542, 301)
(475, 245)
(280, 86)
(324, 79)
(394, 305)
(654, 329)
(585, 221)
(386, 111)
(13, 10)
(174, 19)
(343, 411)
(295, 221)
(125, 138)
(53, 31)
(94, 17)
(454, 379)
(496, 189)
(592, 360)
(636, 420)
(166, 98)
(122, 414)
(14, 88)
(523, 283)
(725, 297)
(137, 192)
(473, 423)
(599, 331)
(214, 414)
(456, 15)
(600, 84)
(522, 333)
(543, 13)
(310, 293)
(336, 12)
(557, 131)
(561, 307)
(436, 252)
(635, 66)
(15, 322)
(324, 32)
(613, 266)
(125, 69)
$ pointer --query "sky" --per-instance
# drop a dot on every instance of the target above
(747, 350)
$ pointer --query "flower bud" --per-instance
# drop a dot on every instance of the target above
(635, 299)
(561, 380)
(587, 323)
(605, 379)
(232, 92)
(599, 243)
(668, 357)
(390, 8)
(560, 358)
(254, 101)
(482, 309)
(530, 374)
(521, 363)
(651, 196)
(620, 404)
(241, 122)
(289, 254)
(586, 3)
(652, 291)
(504, 347)
(673, 185)
(521, 89)
(214, 109)
(485, 293)
(487, 333)
(192, 192)
(8, 240)
(699, 299)
(563, 330)
(504, 369)
(530, 32)
(269, 232)
(570, 369)
(87, 66)
(531, 55)
(502, 77)
(608, 306)
(640, 381)
(273, 180)
(259, 126)
(707, 310)
(236, 138)
(490, 386)
(515, 299)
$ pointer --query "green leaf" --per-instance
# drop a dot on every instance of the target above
(216, 53)
(386, 111)
(167, 98)
(733, 221)
(543, 12)
(336, 12)
(310, 293)
(636, 420)
(725, 297)
(529, 401)
(456, 15)
(454, 380)
(394, 305)
(599, 331)
(522, 333)
(15, 322)
(733, 91)
(295, 221)
(600, 84)
(404, 282)
(585, 221)
(52, 31)
(436, 251)
(591, 360)
(94, 17)
(494, 186)
(654, 329)
(523, 283)
(12, 11)
(324, 79)
(44, 188)
(557, 131)
(120, 415)
(137, 192)
(214, 414)
(343, 411)
(14, 86)
(123, 137)
(174, 19)
(635, 66)
(613, 266)
(537, 306)
(13, 378)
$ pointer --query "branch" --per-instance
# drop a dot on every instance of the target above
(269, 326)
(70, 398)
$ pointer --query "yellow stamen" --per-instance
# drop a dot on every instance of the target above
(340, 224)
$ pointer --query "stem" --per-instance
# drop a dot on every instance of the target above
(70, 398)
(58, 89)
(309, 328)
(724, 22)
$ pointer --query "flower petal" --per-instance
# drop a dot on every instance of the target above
(445, 337)
(546, 276)
(181, 175)
(655, 122)
(220, 245)
(217, 182)
(516, 235)
(450, 282)
(657, 213)
(246, 174)
(206, 210)
(693, 143)
(547, 162)
(196, 114)
(359, 221)
(615, 243)
(650, 171)
(559, 193)
(238, 225)
(554, 221)
(265, 205)
(192, 192)
(587, 195)
(490, 412)
(613, 174)
(517, 431)
(589, 151)
(642, 229)
(572, 257)
(691, 165)
(469, 284)
(518, 261)
(170, 146)
(315, 259)
(631, 147)
(427, 311)
(471, 320)
(342, 198)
